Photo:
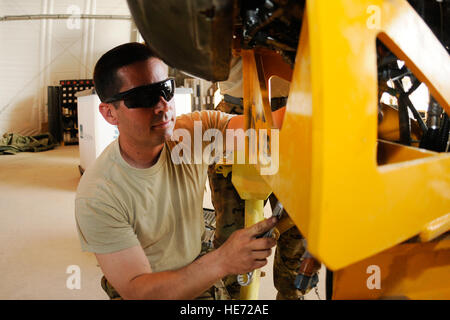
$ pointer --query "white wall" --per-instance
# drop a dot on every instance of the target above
(37, 53)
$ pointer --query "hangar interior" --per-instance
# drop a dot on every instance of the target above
(362, 165)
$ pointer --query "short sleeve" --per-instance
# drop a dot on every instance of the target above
(199, 130)
(101, 228)
(213, 119)
(210, 119)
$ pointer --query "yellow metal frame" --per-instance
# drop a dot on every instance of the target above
(349, 206)
(407, 271)
(344, 203)
(254, 212)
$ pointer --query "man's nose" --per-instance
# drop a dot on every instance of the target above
(161, 106)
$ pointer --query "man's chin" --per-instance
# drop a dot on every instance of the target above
(168, 132)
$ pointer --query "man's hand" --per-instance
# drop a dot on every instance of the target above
(244, 252)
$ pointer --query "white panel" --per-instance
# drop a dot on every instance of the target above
(108, 34)
(20, 7)
(95, 132)
(115, 7)
(39, 53)
(19, 76)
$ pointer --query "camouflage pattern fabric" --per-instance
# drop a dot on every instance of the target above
(230, 216)
(218, 291)
(287, 260)
(109, 289)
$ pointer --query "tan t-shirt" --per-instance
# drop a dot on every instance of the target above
(160, 208)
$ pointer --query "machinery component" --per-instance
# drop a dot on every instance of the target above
(273, 25)
(198, 38)
(277, 212)
(434, 134)
(404, 122)
(284, 224)
(437, 136)
(307, 277)
(203, 49)
(245, 279)
(405, 102)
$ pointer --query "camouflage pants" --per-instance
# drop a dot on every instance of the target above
(217, 292)
(229, 208)
(287, 261)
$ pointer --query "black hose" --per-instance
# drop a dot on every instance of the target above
(443, 133)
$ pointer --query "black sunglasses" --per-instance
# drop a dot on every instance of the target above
(146, 96)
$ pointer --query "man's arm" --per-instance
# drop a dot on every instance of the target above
(130, 273)
(237, 122)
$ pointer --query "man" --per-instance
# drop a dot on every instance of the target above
(230, 208)
(138, 211)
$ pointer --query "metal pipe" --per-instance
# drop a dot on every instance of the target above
(65, 16)
(254, 213)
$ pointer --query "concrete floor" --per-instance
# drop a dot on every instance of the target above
(39, 242)
(37, 230)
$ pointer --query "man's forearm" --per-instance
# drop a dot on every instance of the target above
(241, 253)
(186, 283)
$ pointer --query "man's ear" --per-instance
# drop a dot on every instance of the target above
(108, 112)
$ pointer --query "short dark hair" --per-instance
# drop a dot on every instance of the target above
(106, 81)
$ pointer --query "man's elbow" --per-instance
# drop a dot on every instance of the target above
(148, 286)
(236, 122)
(137, 289)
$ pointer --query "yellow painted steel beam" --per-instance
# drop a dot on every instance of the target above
(347, 205)
(254, 213)
(407, 271)
(245, 177)
(435, 228)
(390, 152)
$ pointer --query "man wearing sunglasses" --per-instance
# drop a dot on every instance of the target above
(140, 213)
